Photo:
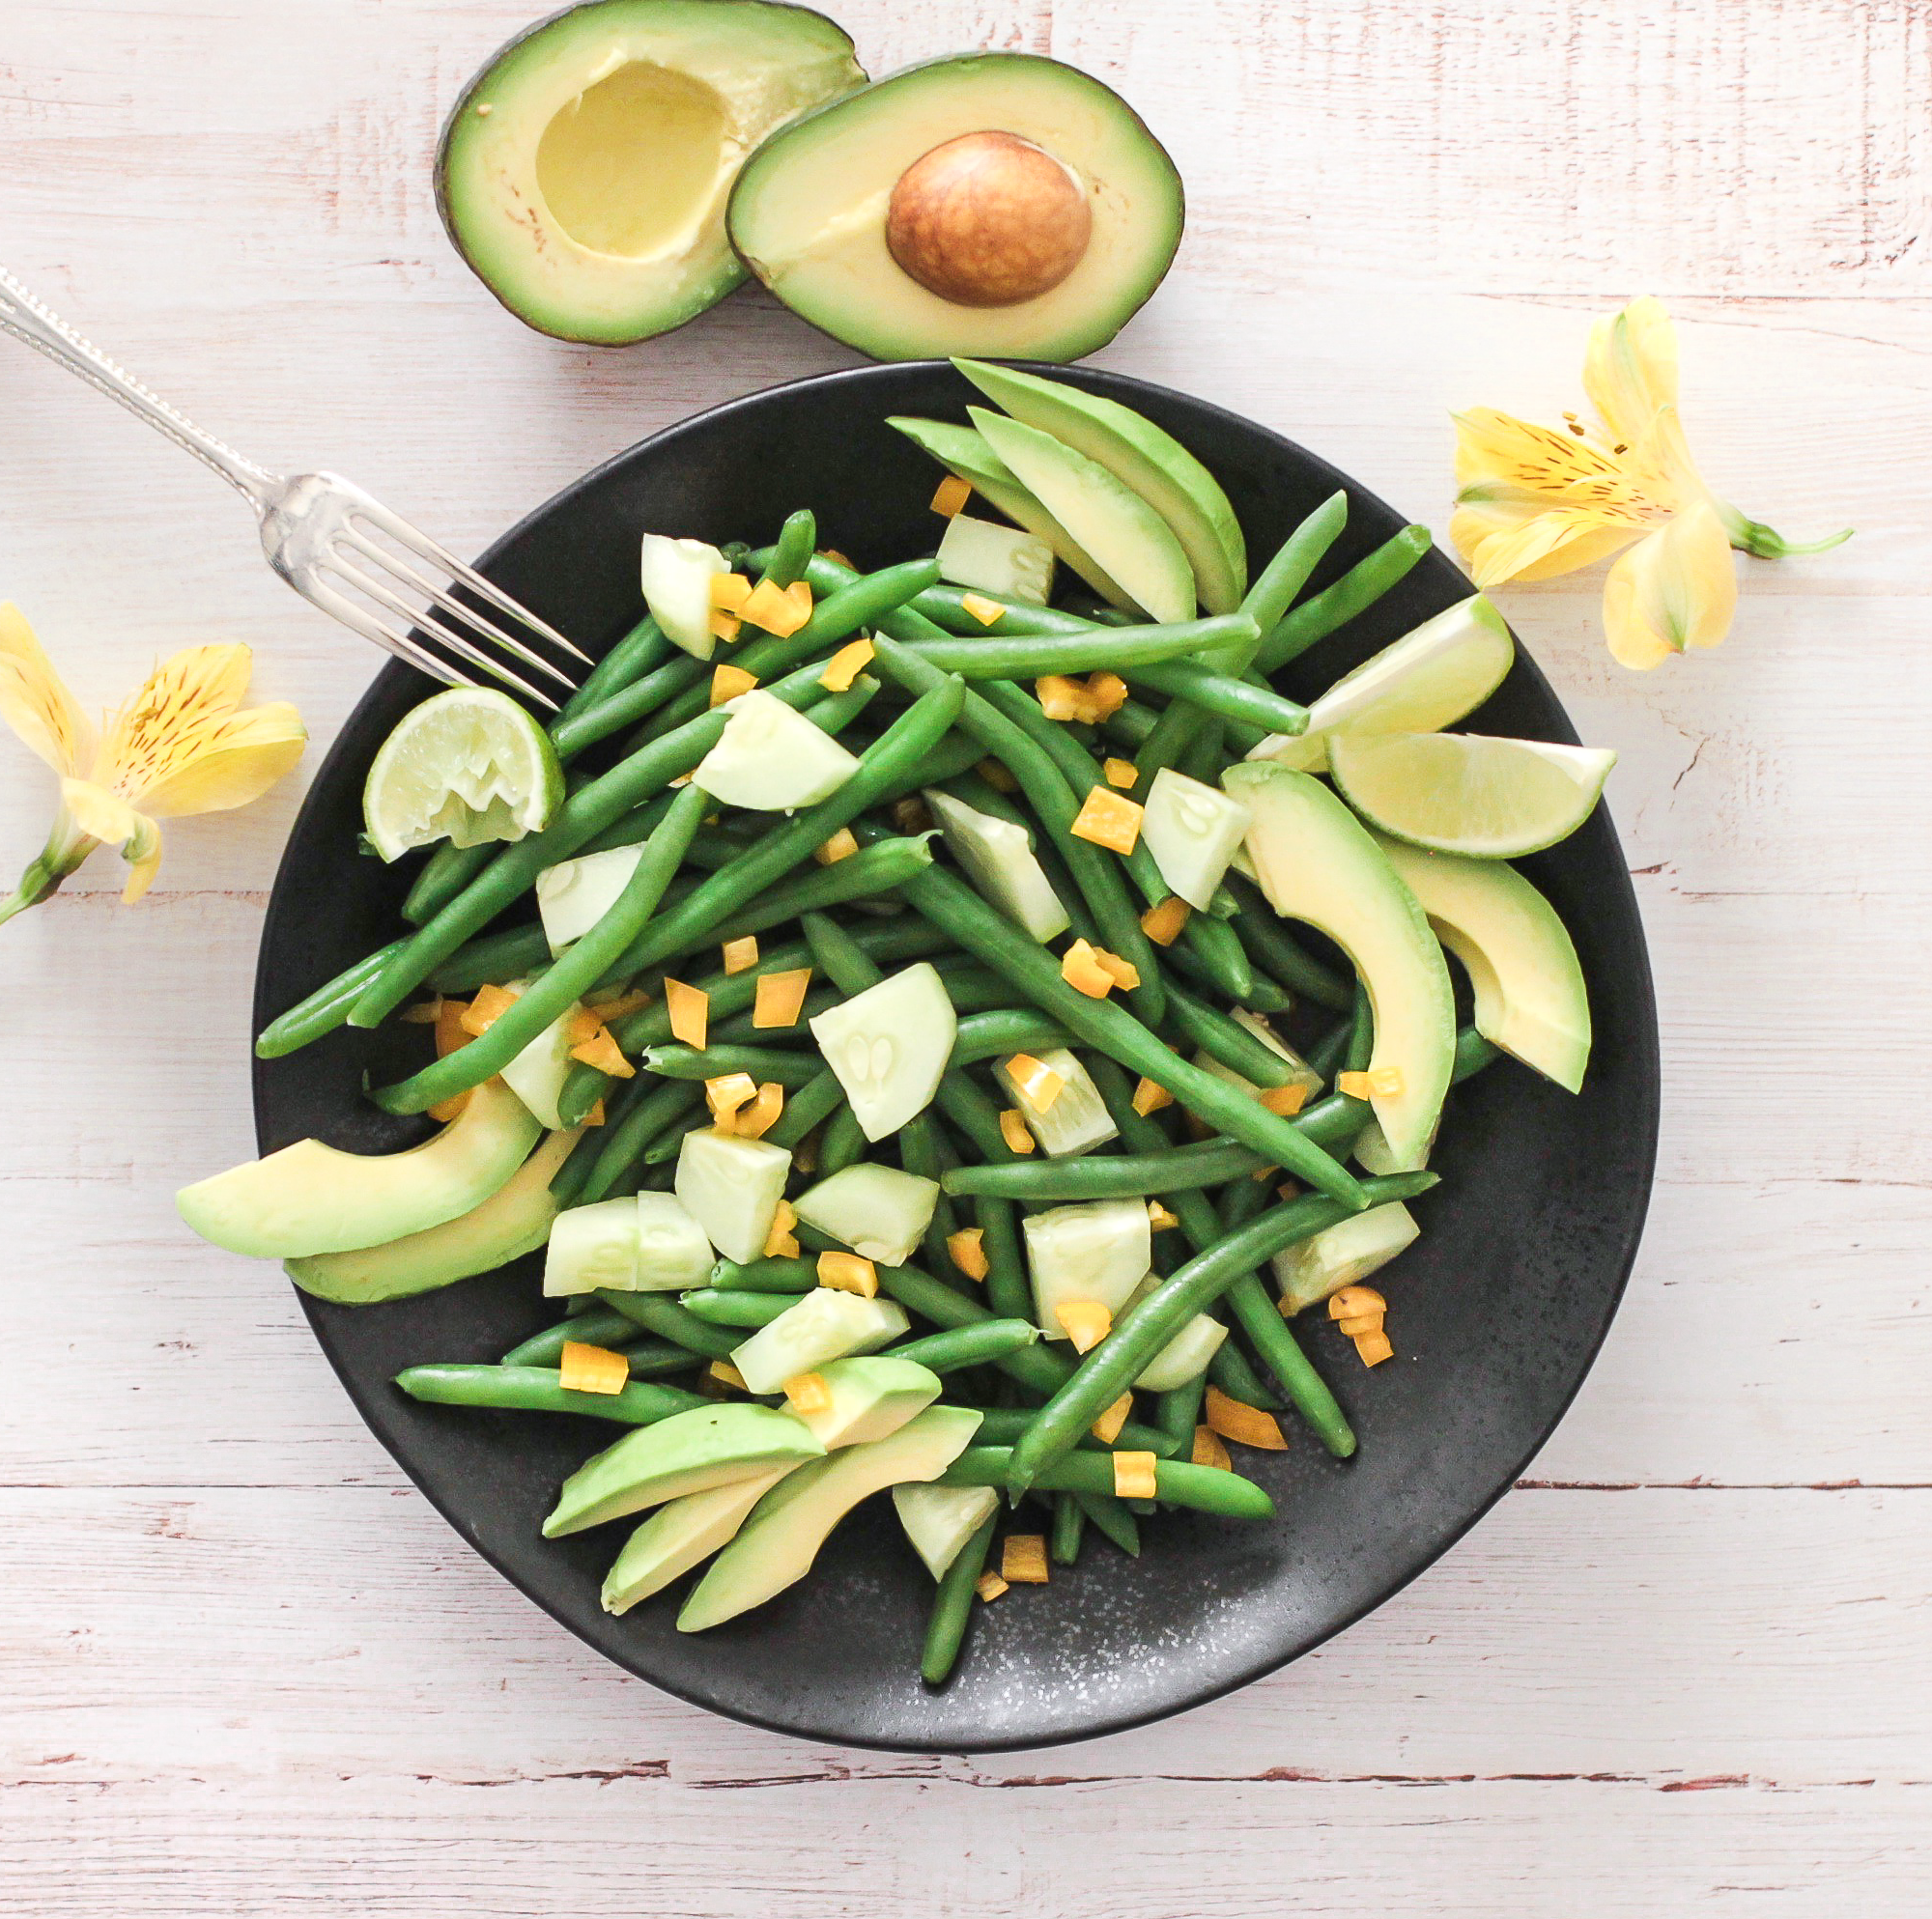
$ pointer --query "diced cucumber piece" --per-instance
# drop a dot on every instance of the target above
(823, 1326)
(672, 1250)
(1371, 1150)
(996, 559)
(709, 1446)
(889, 1046)
(939, 1520)
(537, 1074)
(878, 1211)
(1077, 1122)
(1343, 1255)
(575, 894)
(1302, 1073)
(997, 856)
(731, 1186)
(1099, 1250)
(680, 1534)
(872, 1399)
(771, 758)
(1186, 1355)
(677, 576)
(592, 1247)
(1192, 831)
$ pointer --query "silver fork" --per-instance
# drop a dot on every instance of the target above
(317, 532)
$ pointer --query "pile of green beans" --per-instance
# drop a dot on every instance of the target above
(943, 702)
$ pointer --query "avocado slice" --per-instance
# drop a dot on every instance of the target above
(710, 1445)
(1316, 862)
(1142, 456)
(1530, 999)
(777, 1545)
(513, 1221)
(310, 1197)
(583, 174)
(1129, 538)
(678, 1534)
(872, 1399)
(819, 211)
(963, 451)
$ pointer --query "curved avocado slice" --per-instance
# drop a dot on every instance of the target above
(1316, 862)
(1144, 458)
(870, 1399)
(310, 1197)
(809, 211)
(583, 174)
(710, 1445)
(1530, 999)
(777, 1545)
(513, 1221)
(678, 1534)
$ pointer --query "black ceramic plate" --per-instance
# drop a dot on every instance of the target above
(1497, 1311)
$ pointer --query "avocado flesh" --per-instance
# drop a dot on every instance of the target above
(1530, 999)
(583, 174)
(809, 211)
(312, 1198)
(1145, 459)
(1316, 862)
(513, 1221)
(777, 1545)
(710, 1445)
(678, 1534)
(872, 1399)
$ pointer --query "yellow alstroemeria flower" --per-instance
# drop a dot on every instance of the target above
(1535, 501)
(181, 745)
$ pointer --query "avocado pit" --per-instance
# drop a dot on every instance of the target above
(988, 220)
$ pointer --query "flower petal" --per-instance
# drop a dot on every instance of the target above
(239, 759)
(1631, 368)
(163, 728)
(1508, 539)
(1677, 588)
(108, 818)
(35, 701)
(1500, 457)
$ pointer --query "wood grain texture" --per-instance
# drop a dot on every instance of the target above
(1682, 1670)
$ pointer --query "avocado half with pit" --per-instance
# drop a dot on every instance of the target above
(584, 173)
(999, 205)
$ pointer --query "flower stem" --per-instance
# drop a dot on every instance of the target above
(65, 848)
(1765, 543)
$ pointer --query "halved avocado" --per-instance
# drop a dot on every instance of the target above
(582, 175)
(991, 204)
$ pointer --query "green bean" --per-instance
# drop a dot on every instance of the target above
(1276, 951)
(842, 1143)
(818, 1099)
(1069, 1521)
(637, 651)
(325, 1009)
(660, 1313)
(951, 906)
(1110, 1368)
(710, 1062)
(1229, 1042)
(1357, 589)
(651, 1359)
(1011, 1030)
(1113, 649)
(1178, 1411)
(670, 1144)
(569, 1179)
(532, 1389)
(973, 1113)
(595, 1328)
(1119, 1177)
(1039, 1368)
(491, 959)
(1221, 694)
(550, 996)
(925, 1153)
(1009, 1292)
(587, 812)
(1003, 1425)
(647, 1119)
(944, 606)
(961, 1346)
(1220, 957)
(1231, 1370)
(953, 1606)
(787, 560)
(735, 1307)
(1111, 1518)
(1178, 1481)
(839, 955)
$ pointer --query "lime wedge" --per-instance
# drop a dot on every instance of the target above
(1466, 792)
(468, 766)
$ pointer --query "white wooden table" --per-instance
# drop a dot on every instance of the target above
(1684, 1669)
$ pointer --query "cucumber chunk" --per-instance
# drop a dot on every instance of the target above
(889, 1047)
(676, 577)
(996, 559)
(537, 1074)
(575, 894)
(1192, 832)
(939, 1520)
(772, 759)
(1186, 1355)
(1300, 1072)
(1343, 1255)
(592, 1247)
(823, 1326)
(731, 1187)
(673, 1252)
(1077, 1122)
(878, 1211)
(1099, 1250)
(997, 856)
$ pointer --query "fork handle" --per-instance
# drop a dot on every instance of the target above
(26, 319)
